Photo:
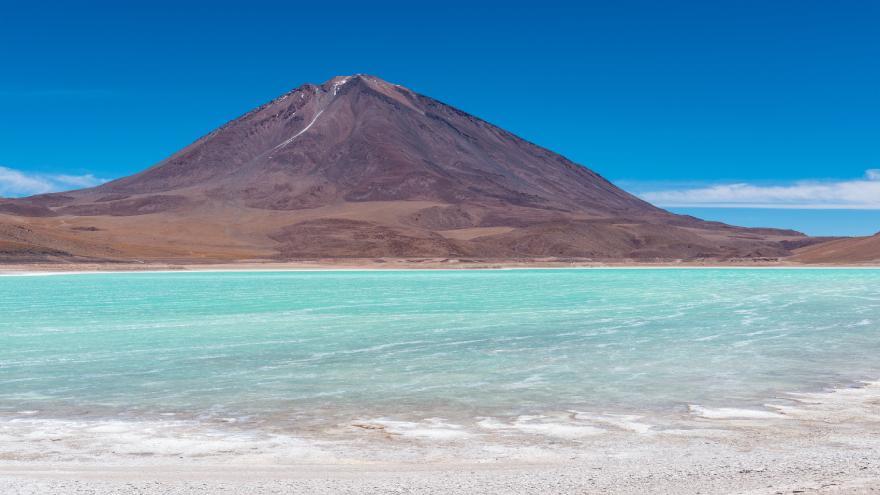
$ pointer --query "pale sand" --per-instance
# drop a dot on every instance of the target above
(813, 474)
(689, 466)
(818, 443)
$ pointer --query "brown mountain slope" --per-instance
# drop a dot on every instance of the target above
(359, 167)
(852, 250)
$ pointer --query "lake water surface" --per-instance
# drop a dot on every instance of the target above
(426, 351)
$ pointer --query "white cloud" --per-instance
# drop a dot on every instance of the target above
(17, 183)
(858, 194)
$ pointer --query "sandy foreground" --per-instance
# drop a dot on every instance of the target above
(826, 442)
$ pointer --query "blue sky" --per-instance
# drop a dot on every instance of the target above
(747, 111)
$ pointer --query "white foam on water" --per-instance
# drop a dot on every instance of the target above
(626, 422)
(732, 413)
(559, 430)
(556, 427)
(431, 428)
(520, 437)
(838, 405)
(55, 439)
(492, 424)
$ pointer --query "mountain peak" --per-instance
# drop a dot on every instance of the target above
(360, 166)
(335, 84)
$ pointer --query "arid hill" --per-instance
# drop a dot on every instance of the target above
(359, 167)
(853, 250)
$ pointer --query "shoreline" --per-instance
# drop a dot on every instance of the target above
(393, 265)
(823, 442)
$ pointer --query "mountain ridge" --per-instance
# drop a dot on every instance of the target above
(359, 167)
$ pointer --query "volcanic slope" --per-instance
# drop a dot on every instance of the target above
(361, 168)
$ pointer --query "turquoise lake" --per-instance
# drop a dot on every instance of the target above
(310, 349)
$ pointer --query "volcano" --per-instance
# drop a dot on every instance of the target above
(358, 167)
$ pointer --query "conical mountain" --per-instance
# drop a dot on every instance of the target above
(359, 167)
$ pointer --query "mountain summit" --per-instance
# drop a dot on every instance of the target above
(359, 138)
(360, 167)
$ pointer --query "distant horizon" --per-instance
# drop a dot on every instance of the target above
(753, 114)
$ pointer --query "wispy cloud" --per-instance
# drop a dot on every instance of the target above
(857, 194)
(15, 183)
